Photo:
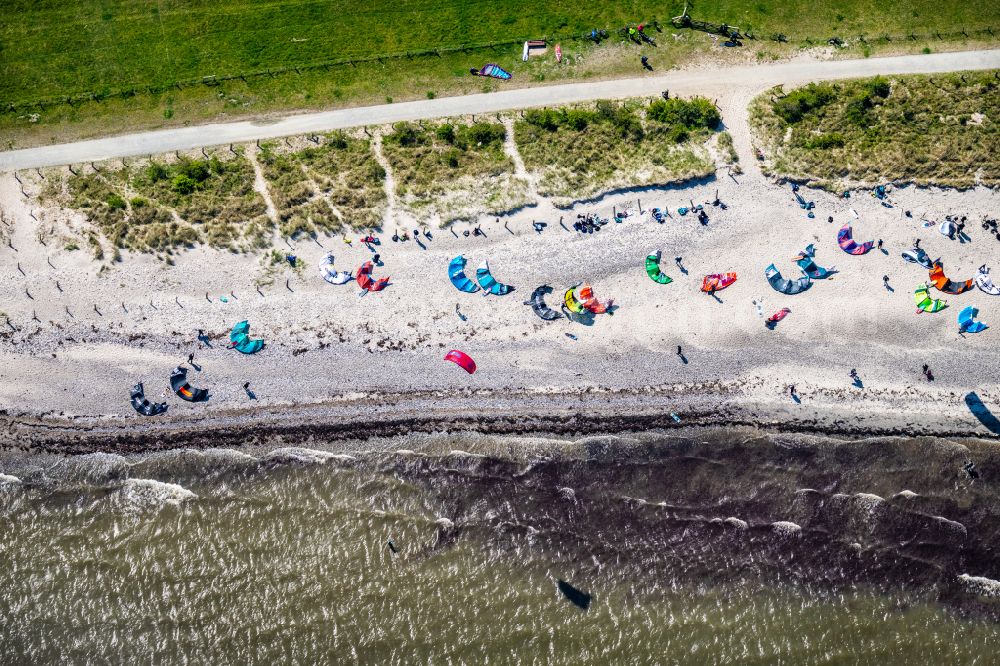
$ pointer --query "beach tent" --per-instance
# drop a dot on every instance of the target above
(591, 303)
(807, 265)
(846, 242)
(537, 303)
(939, 280)
(144, 406)
(717, 281)
(365, 280)
(925, 303)
(456, 273)
(967, 321)
(180, 386)
(653, 269)
(239, 339)
(489, 283)
(918, 256)
(462, 360)
(329, 274)
(783, 285)
(985, 282)
(572, 304)
(492, 70)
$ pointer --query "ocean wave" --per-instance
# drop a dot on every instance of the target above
(786, 528)
(984, 587)
(7, 479)
(295, 454)
(906, 494)
(149, 493)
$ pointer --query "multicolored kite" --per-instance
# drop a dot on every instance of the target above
(985, 282)
(846, 242)
(942, 283)
(717, 282)
(492, 70)
(924, 301)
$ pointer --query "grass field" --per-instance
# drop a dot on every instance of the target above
(582, 151)
(453, 170)
(140, 63)
(927, 130)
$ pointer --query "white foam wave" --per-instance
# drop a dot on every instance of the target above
(567, 494)
(786, 528)
(295, 454)
(984, 587)
(958, 527)
(9, 480)
(465, 454)
(907, 494)
(444, 523)
(146, 493)
(736, 522)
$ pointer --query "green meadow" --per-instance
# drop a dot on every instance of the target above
(130, 64)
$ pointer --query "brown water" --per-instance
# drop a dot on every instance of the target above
(280, 557)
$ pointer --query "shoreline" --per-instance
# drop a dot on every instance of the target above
(527, 412)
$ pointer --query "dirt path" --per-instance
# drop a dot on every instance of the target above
(716, 83)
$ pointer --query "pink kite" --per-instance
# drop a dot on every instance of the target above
(846, 242)
(462, 360)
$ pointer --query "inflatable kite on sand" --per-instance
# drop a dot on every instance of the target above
(462, 360)
(846, 242)
(773, 320)
(537, 303)
(918, 256)
(924, 301)
(784, 285)
(144, 406)
(180, 386)
(456, 273)
(653, 269)
(239, 339)
(489, 283)
(365, 280)
(329, 274)
(591, 303)
(717, 282)
(493, 70)
(985, 282)
(571, 303)
(942, 283)
(967, 321)
(808, 266)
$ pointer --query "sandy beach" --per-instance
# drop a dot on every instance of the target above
(336, 362)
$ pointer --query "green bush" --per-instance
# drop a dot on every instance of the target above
(406, 134)
(484, 134)
(183, 184)
(446, 133)
(115, 202)
(695, 113)
(792, 107)
(826, 141)
(156, 172)
(547, 119)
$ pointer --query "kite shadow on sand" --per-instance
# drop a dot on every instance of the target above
(982, 412)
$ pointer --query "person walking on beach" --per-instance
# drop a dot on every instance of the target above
(927, 373)
(677, 260)
(885, 281)
(191, 359)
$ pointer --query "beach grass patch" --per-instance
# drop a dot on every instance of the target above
(453, 169)
(941, 130)
(578, 152)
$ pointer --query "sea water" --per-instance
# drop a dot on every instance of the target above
(749, 550)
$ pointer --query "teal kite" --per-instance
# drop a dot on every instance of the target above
(239, 339)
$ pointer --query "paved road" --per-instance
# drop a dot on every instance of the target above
(705, 81)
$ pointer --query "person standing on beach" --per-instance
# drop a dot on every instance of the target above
(879, 246)
(679, 351)
(191, 359)
(916, 243)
